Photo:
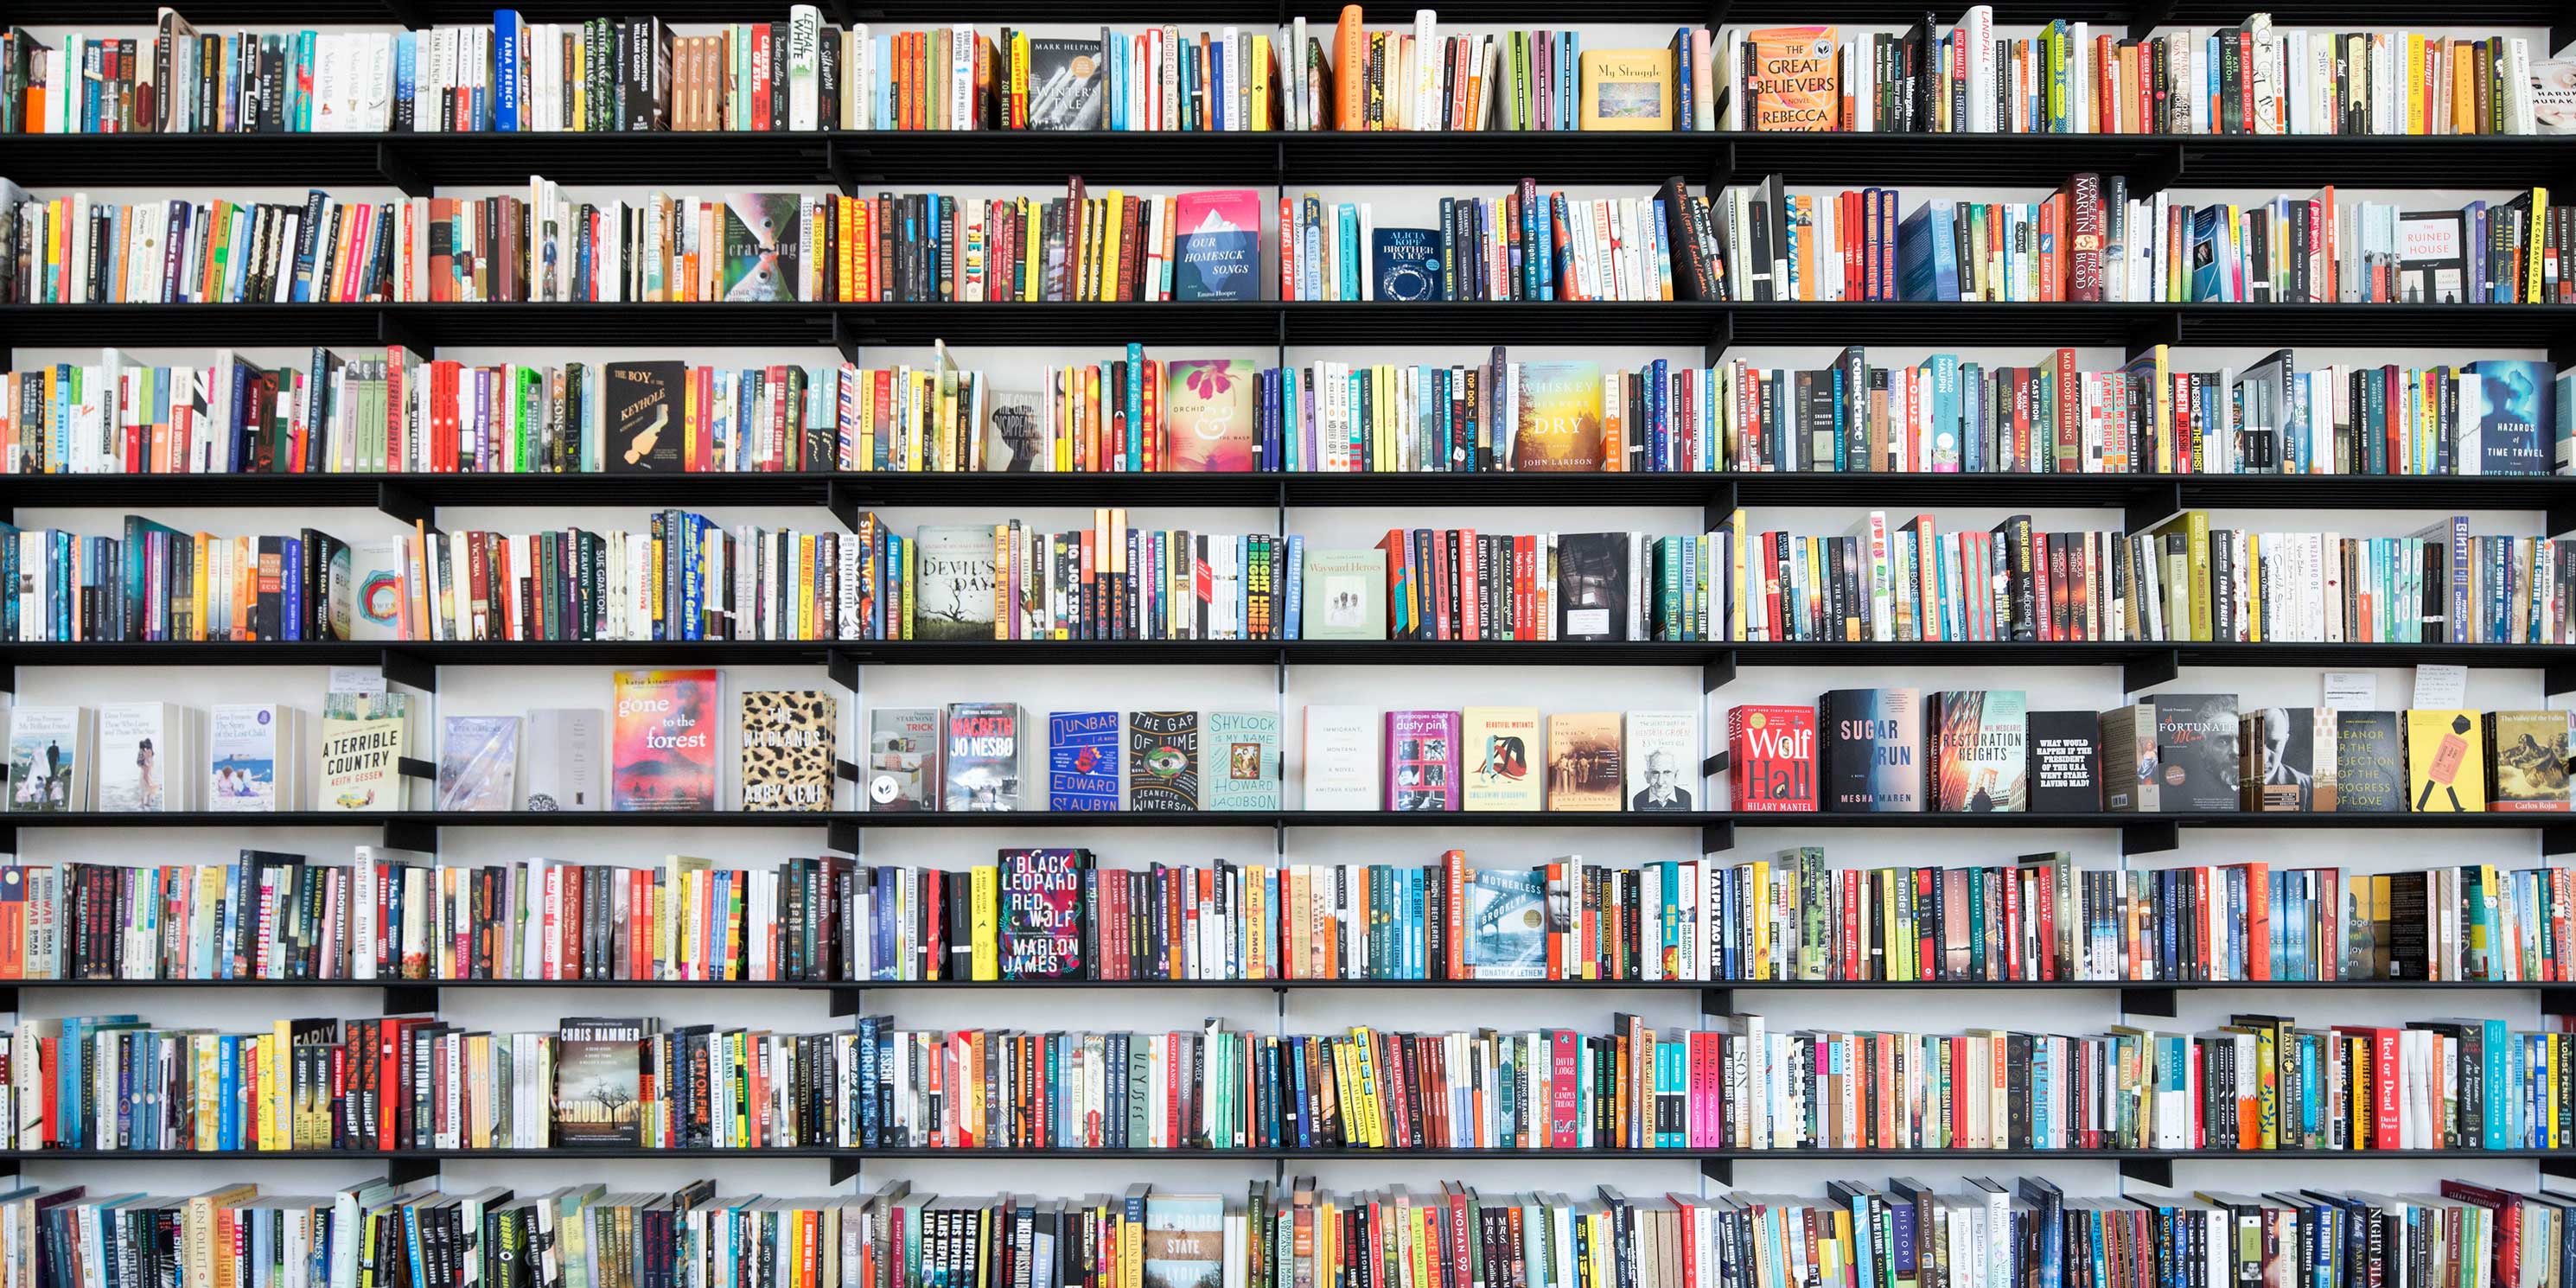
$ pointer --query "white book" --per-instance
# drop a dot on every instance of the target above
(1977, 28)
(1341, 758)
(804, 41)
(50, 748)
(145, 758)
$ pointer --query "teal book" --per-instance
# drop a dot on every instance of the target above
(1241, 752)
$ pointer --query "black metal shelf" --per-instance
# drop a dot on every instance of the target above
(1708, 327)
(855, 161)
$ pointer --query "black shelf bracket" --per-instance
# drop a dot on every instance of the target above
(2562, 518)
(847, 771)
(411, 834)
(1721, 337)
(408, 670)
(2150, 15)
(9, 998)
(2163, 327)
(1717, 672)
(837, 165)
(8, 838)
(406, 505)
(1715, 765)
(411, 999)
(848, 999)
(1719, 1170)
(405, 1171)
(2558, 999)
(2149, 836)
(841, 834)
(401, 173)
(2148, 1171)
(392, 330)
(843, 498)
(1716, 999)
(2150, 999)
(845, 1168)
(414, 767)
(2557, 839)
(2559, 1167)
(843, 666)
(845, 337)
(1716, 838)
(8, 677)
(2165, 169)
(1723, 497)
(1721, 164)
(2561, 678)
(2153, 503)
(2148, 670)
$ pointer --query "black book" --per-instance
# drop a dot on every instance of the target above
(2065, 762)
(1594, 586)
(2370, 762)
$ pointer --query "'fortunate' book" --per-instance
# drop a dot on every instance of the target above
(2174, 753)
(1872, 749)
(662, 748)
(1163, 760)
(1242, 755)
(1082, 761)
(1500, 747)
(1042, 918)
(788, 743)
(1980, 751)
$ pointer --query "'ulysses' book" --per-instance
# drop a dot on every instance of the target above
(1872, 749)
(1980, 751)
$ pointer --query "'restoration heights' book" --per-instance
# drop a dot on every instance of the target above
(1980, 751)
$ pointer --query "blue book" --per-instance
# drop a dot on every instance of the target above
(1082, 761)
(2509, 427)
(1405, 263)
(505, 56)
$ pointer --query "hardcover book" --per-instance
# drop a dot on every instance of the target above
(954, 579)
(2288, 759)
(763, 244)
(1584, 767)
(1082, 761)
(2529, 761)
(1506, 924)
(1042, 913)
(1208, 414)
(1771, 758)
(662, 752)
(1792, 81)
(1594, 580)
(1663, 760)
(903, 758)
(2174, 753)
(1243, 759)
(1184, 1241)
(2508, 428)
(376, 581)
(1500, 748)
(364, 736)
(1345, 595)
(1340, 758)
(2065, 762)
(980, 762)
(1980, 751)
(2370, 762)
(1218, 244)
(145, 751)
(478, 764)
(1872, 750)
(1407, 261)
(1627, 89)
(1065, 84)
(563, 758)
(1560, 418)
(599, 1082)
(2432, 257)
(252, 754)
(1422, 761)
(2445, 762)
(1163, 760)
(49, 752)
(789, 743)
(1015, 431)
(643, 403)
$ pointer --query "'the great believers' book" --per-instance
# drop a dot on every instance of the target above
(980, 762)
(1041, 913)
(1584, 766)
(1980, 751)
(1241, 752)
(662, 750)
(1871, 746)
(2527, 752)
(1083, 749)
(1422, 761)
(1499, 750)
(1341, 760)
(1163, 760)
(903, 758)
(1771, 758)
(788, 743)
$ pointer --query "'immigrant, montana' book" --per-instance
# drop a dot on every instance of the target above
(1871, 746)
(663, 745)
(1163, 761)
(2174, 753)
(1340, 761)
(1041, 914)
(1082, 761)
(1242, 755)
(1980, 751)
(1422, 761)
(788, 743)
(1771, 758)
(980, 759)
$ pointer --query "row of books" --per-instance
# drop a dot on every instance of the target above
(1523, 245)
(2262, 1082)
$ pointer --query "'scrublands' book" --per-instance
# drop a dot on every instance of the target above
(599, 1084)
(1082, 761)
(1422, 761)
(2370, 762)
(2174, 753)
(254, 758)
(662, 753)
(1980, 750)
(362, 744)
(1662, 758)
(1242, 755)
(788, 742)
(1340, 758)
(1872, 750)
(1771, 758)
(1499, 750)
(903, 758)
(1163, 760)
(1042, 916)
(1585, 770)
(2065, 762)
(2445, 762)
(49, 752)
(564, 747)
(980, 761)
(2526, 749)
(147, 754)
(478, 764)
(953, 588)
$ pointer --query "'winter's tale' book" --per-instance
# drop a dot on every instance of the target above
(1585, 768)
(1241, 751)
(1340, 760)
(1041, 914)
(599, 1081)
(1663, 758)
(2174, 753)
(979, 761)
(2445, 762)
(1771, 758)
(1082, 761)
(1872, 750)
(903, 759)
(1498, 747)
(2527, 755)
(1980, 751)
(789, 741)
(2286, 760)
(1422, 761)
(362, 743)
(1163, 760)
(2065, 762)
(663, 750)
(2370, 762)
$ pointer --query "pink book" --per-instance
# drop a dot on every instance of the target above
(1422, 761)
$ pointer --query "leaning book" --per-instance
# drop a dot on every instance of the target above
(362, 744)
(478, 763)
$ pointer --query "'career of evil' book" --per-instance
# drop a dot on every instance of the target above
(663, 743)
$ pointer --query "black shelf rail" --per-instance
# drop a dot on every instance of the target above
(1706, 327)
(856, 161)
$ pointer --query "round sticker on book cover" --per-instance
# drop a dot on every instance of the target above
(883, 790)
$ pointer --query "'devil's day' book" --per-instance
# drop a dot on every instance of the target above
(1499, 751)
(662, 746)
(1242, 758)
(903, 759)
(1585, 770)
(1082, 761)
(2370, 762)
(1041, 915)
(2445, 762)
(1422, 761)
(2527, 756)
(2065, 762)
(981, 760)
(953, 584)
(1771, 758)
(599, 1085)
(1871, 747)
(1980, 751)
(1163, 760)
(789, 741)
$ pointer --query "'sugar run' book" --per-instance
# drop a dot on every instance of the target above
(599, 1083)
(1872, 749)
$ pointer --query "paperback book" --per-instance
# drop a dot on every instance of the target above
(2286, 766)
(364, 736)
(2528, 752)
(1662, 759)
(478, 764)
(663, 751)
(564, 745)
(1083, 750)
(2174, 753)
(1506, 924)
(1595, 574)
(1422, 761)
(599, 1082)
(954, 581)
(146, 750)
(903, 758)
(788, 743)
(255, 758)
(1218, 245)
(1871, 746)
(1584, 766)
(1501, 746)
(2065, 762)
(1163, 760)
(1559, 428)
(49, 753)
(643, 416)
(1208, 414)
(2445, 762)
(1345, 595)
(980, 760)
(1247, 745)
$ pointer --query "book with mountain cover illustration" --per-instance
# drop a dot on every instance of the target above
(663, 740)
(1218, 244)
(1184, 1241)
(599, 1085)
(1506, 924)
(763, 246)
(1041, 927)
(953, 591)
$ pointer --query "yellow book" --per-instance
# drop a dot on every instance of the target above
(986, 886)
(1261, 83)
(2532, 265)
(1355, 1109)
(2415, 104)
(1256, 944)
(1761, 919)
(578, 75)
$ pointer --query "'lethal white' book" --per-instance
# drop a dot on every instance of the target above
(49, 754)
(663, 756)
(788, 741)
(1242, 757)
(564, 746)
(478, 763)
(903, 758)
(147, 751)
(1340, 759)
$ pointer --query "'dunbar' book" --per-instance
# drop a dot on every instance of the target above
(1082, 761)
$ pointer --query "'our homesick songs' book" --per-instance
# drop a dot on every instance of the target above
(2370, 762)
(2174, 753)
(981, 759)
(1082, 761)
(1218, 243)
(1980, 751)
(1872, 750)
(1041, 928)
(1771, 759)
(2528, 761)
(1163, 760)
(1242, 755)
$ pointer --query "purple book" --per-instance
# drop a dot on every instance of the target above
(1422, 760)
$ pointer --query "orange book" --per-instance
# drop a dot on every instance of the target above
(1347, 101)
